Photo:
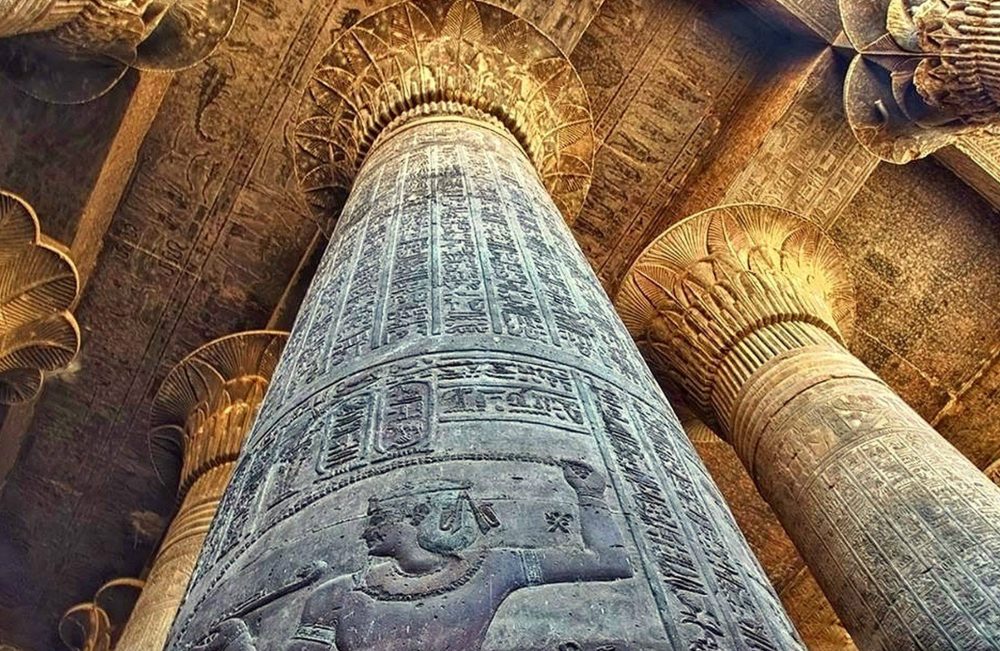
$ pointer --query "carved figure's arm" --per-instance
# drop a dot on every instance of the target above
(603, 557)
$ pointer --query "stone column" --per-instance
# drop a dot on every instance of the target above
(926, 72)
(459, 447)
(72, 51)
(202, 412)
(746, 308)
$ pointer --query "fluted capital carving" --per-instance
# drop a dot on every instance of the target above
(72, 51)
(208, 402)
(705, 298)
(95, 625)
(438, 54)
(927, 72)
(38, 288)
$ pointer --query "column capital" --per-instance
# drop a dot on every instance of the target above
(95, 625)
(208, 402)
(73, 51)
(927, 71)
(719, 293)
(443, 54)
(40, 286)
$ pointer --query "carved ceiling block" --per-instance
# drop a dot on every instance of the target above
(420, 53)
(72, 51)
(723, 273)
(95, 625)
(927, 71)
(38, 287)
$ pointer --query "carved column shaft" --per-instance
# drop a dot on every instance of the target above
(457, 451)
(901, 531)
(206, 407)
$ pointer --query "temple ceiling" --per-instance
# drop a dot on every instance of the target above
(176, 197)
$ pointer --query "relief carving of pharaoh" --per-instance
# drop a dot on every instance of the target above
(431, 543)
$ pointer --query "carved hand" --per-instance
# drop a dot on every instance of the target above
(586, 481)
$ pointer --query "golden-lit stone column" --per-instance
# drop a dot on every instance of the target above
(206, 407)
(72, 51)
(926, 72)
(746, 308)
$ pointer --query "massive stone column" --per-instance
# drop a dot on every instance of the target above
(460, 446)
(746, 309)
(201, 416)
(926, 72)
(72, 51)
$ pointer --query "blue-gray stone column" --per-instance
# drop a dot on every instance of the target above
(462, 448)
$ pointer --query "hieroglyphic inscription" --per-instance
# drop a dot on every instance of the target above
(899, 528)
(481, 408)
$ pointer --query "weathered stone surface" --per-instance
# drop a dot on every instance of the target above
(458, 407)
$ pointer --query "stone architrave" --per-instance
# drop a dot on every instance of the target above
(39, 287)
(461, 446)
(201, 416)
(745, 309)
(73, 51)
(926, 72)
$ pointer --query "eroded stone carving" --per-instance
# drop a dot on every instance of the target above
(38, 288)
(97, 624)
(202, 413)
(927, 71)
(72, 51)
(872, 496)
(458, 406)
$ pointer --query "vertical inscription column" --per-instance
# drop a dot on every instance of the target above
(744, 308)
(460, 446)
(203, 411)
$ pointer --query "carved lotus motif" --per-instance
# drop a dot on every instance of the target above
(208, 402)
(95, 625)
(713, 278)
(38, 287)
(71, 51)
(469, 53)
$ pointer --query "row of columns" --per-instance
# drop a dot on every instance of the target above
(462, 447)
